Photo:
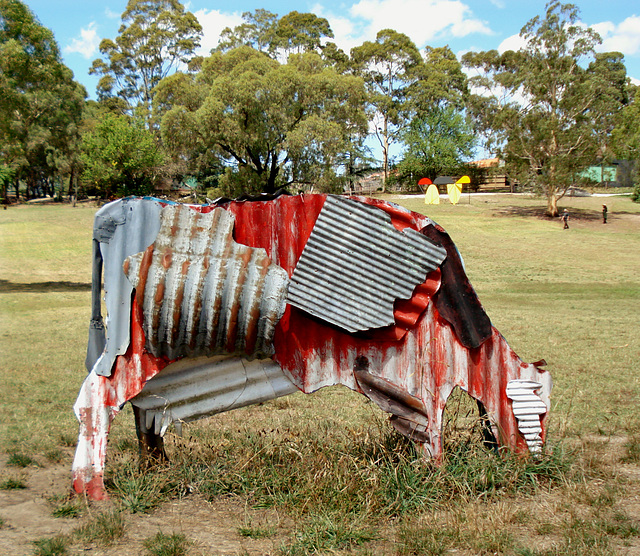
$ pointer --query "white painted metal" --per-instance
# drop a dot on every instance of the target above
(527, 407)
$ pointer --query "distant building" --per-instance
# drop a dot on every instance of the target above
(491, 175)
(616, 174)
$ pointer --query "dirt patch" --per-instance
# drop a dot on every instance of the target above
(212, 528)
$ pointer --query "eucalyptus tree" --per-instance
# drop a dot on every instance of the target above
(626, 136)
(298, 32)
(293, 33)
(156, 38)
(256, 31)
(437, 141)
(390, 66)
(438, 136)
(543, 106)
(40, 103)
(271, 124)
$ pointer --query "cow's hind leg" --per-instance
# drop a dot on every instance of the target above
(150, 444)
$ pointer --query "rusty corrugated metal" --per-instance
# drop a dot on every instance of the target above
(411, 375)
(356, 264)
(201, 292)
(190, 389)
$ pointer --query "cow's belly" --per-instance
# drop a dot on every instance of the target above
(191, 389)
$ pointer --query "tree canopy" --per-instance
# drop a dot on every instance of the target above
(277, 104)
(268, 122)
(120, 157)
(544, 105)
(156, 38)
(437, 142)
(40, 103)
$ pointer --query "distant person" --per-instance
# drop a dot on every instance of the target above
(565, 219)
(604, 214)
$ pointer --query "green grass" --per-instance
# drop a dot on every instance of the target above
(161, 544)
(103, 529)
(329, 464)
(53, 546)
(12, 483)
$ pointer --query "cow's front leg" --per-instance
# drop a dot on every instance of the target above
(150, 444)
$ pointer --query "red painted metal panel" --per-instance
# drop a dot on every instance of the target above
(421, 355)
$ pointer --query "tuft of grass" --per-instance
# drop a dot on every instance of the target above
(138, 491)
(54, 546)
(104, 529)
(54, 455)
(12, 483)
(65, 507)
(18, 459)
(162, 544)
(67, 439)
(430, 539)
(256, 531)
(327, 534)
(632, 450)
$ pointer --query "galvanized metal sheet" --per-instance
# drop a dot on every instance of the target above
(527, 407)
(356, 264)
(123, 227)
(194, 388)
(412, 375)
(201, 292)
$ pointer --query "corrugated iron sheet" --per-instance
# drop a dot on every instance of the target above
(412, 375)
(356, 264)
(194, 388)
(527, 407)
(123, 227)
(201, 292)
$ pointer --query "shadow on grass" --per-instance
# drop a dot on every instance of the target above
(540, 212)
(43, 287)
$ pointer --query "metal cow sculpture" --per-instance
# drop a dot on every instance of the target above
(215, 307)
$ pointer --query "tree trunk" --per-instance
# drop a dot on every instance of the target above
(385, 155)
(552, 205)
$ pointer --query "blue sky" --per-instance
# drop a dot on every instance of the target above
(79, 25)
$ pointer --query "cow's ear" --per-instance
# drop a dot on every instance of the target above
(456, 300)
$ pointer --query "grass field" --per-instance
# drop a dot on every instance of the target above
(324, 474)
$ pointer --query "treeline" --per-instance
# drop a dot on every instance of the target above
(279, 104)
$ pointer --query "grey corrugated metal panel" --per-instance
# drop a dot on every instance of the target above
(362, 229)
(527, 407)
(356, 264)
(202, 292)
(123, 227)
(194, 388)
(344, 258)
(340, 262)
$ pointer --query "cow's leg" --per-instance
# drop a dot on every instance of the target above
(151, 445)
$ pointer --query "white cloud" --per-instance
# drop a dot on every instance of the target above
(624, 37)
(213, 22)
(514, 42)
(421, 20)
(111, 14)
(86, 44)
